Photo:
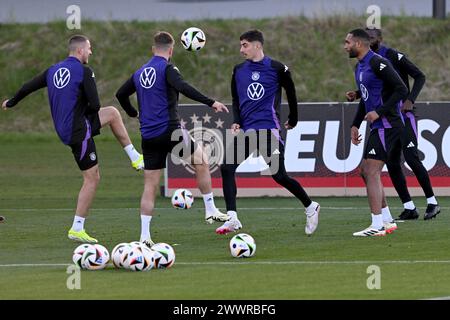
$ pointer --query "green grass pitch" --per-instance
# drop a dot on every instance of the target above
(40, 183)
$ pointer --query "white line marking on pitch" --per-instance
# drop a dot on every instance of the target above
(34, 265)
(438, 298)
(160, 209)
(236, 263)
(314, 262)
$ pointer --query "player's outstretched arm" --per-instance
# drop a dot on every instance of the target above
(219, 107)
(38, 82)
(123, 95)
(174, 78)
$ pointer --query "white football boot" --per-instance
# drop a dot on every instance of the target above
(370, 232)
(390, 226)
(229, 226)
(217, 216)
(312, 218)
(139, 163)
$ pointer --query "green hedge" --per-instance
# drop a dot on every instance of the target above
(312, 48)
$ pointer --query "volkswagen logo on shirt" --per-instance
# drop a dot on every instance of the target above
(61, 78)
(364, 92)
(148, 77)
(255, 91)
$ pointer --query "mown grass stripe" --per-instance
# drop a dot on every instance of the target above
(249, 262)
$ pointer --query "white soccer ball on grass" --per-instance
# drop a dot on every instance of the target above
(164, 256)
(242, 245)
(95, 257)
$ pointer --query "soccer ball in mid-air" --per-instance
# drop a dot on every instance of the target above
(164, 256)
(193, 39)
(242, 245)
(182, 199)
(95, 257)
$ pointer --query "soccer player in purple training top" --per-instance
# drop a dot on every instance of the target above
(405, 68)
(77, 117)
(157, 85)
(382, 91)
(256, 91)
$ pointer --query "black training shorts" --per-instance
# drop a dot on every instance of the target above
(155, 150)
(85, 153)
(383, 144)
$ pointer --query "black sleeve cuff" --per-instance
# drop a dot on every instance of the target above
(10, 103)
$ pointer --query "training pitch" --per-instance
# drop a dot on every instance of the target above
(40, 184)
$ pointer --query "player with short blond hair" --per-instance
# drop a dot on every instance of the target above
(78, 117)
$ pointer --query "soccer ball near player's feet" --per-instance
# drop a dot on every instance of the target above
(139, 258)
(95, 257)
(242, 245)
(193, 39)
(116, 253)
(182, 199)
(79, 251)
(164, 256)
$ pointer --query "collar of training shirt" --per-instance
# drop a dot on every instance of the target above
(367, 57)
(72, 58)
